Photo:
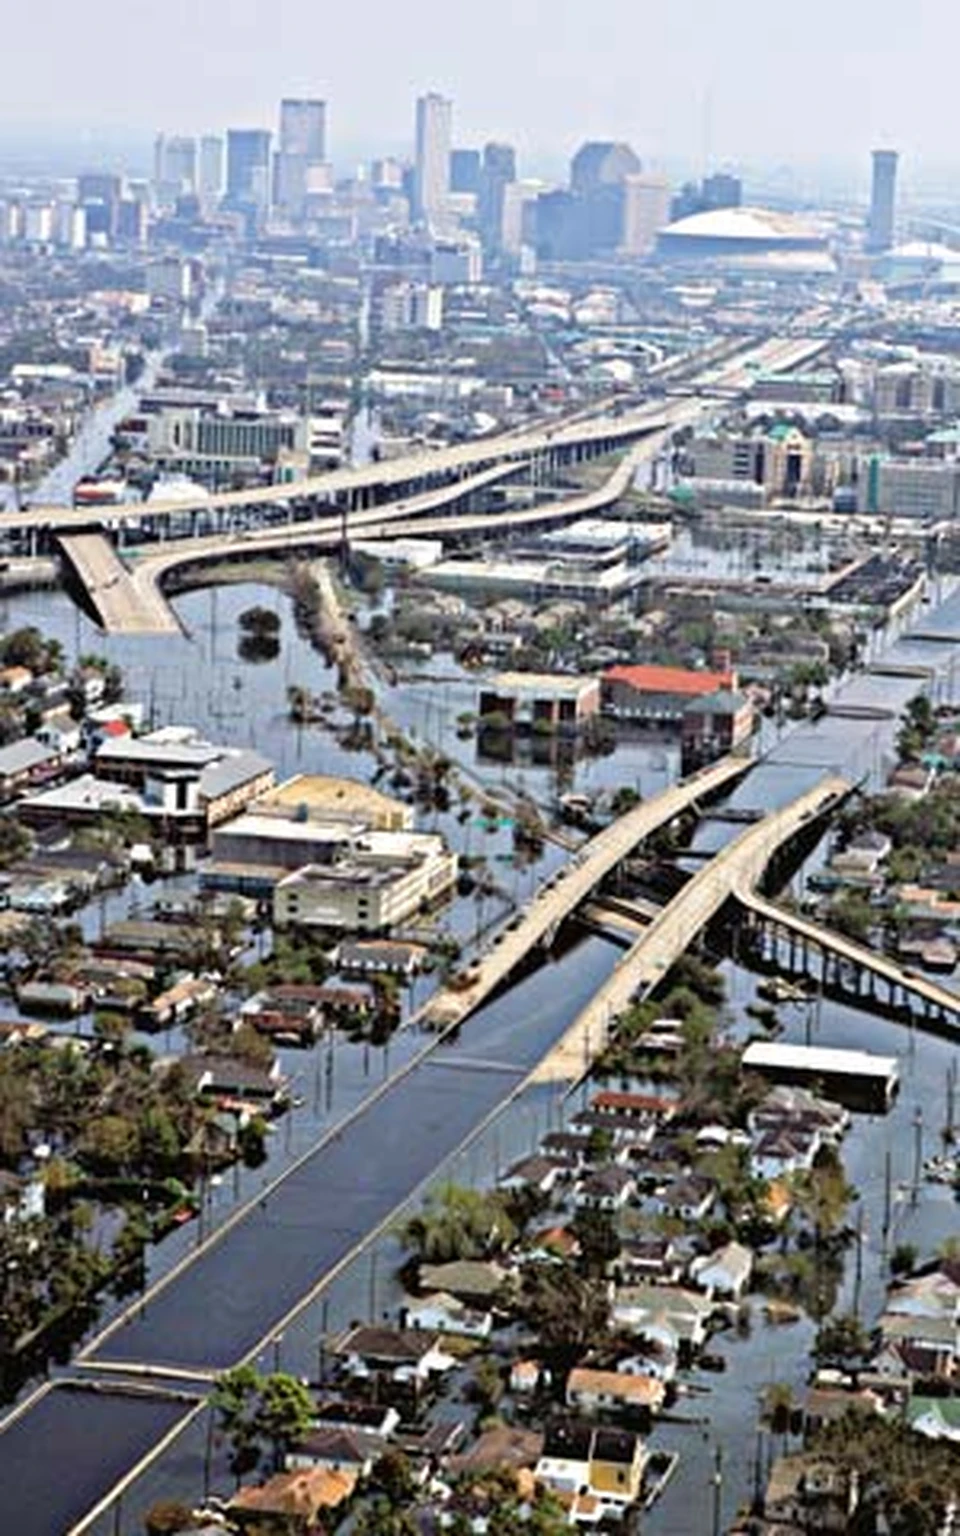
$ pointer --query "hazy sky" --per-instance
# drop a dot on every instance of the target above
(752, 79)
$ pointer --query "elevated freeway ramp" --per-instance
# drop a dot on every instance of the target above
(122, 607)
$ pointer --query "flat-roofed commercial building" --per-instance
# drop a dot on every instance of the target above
(383, 879)
(659, 693)
(322, 797)
(531, 699)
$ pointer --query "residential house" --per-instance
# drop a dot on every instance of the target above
(380, 1419)
(649, 1258)
(371, 957)
(442, 1313)
(638, 1106)
(592, 1391)
(503, 1448)
(540, 1174)
(609, 1189)
(808, 1493)
(291, 1503)
(936, 1417)
(823, 1405)
(525, 1376)
(596, 1471)
(23, 763)
(658, 1357)
(788, 1105)
(552, 1245)
(685, 1313)
(475, 1281)
(336, 1450)
(725, 1274)
(404, 1356)
(782, 1151)
(688, 1198)
(231, 1077)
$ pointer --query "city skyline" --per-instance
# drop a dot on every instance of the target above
(704, 87)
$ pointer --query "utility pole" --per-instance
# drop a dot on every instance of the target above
(887, 1198)
(858, 1273)
(917, 1152)
(718, 1491)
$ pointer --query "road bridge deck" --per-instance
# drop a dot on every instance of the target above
(898, 979)
(407, 519)
(555, 901)
(123, 607)
(357, 485)
(737, 866)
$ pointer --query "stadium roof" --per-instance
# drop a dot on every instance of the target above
(764, 225)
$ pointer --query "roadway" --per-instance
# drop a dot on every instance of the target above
(352, 486)
(738, 866)
(829, 942)
(130, 600)
(122, 607)
(580, 432)
(403, 519)
(560, 896)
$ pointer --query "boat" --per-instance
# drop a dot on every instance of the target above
(712, 1362)
(660, 1467)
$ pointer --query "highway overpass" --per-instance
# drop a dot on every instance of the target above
(418, 517)
(844, 964)
(550, 445)
(738, 866)
(574, 884)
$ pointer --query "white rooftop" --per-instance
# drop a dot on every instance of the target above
(818, 1058)
(765, 225)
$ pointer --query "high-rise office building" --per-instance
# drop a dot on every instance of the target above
(882, 200)
(601, 163)
(303, 128)
(174, 168)
(210, 179)
(302, 152)
(645, 211)
(499, 169)
(432, 175)
(465, 170)
(721, 190)
(248, 169)
(99, 195)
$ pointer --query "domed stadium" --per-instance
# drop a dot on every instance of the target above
(732, 234)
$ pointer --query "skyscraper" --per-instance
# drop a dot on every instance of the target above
(882, 200)
(175, 166)
(210, 180)
(499, 169)
(646, 209)
(248, 169)
(432, 176)
(303, 128)
(303, 148)
(465, 170)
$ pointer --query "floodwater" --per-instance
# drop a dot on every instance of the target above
(235, 1296)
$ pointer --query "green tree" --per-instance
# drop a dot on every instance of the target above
(842, 1342)
(458, 1223)
(567, 1311)
(235, 1401)
(596, 1232)
(284, 1414)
